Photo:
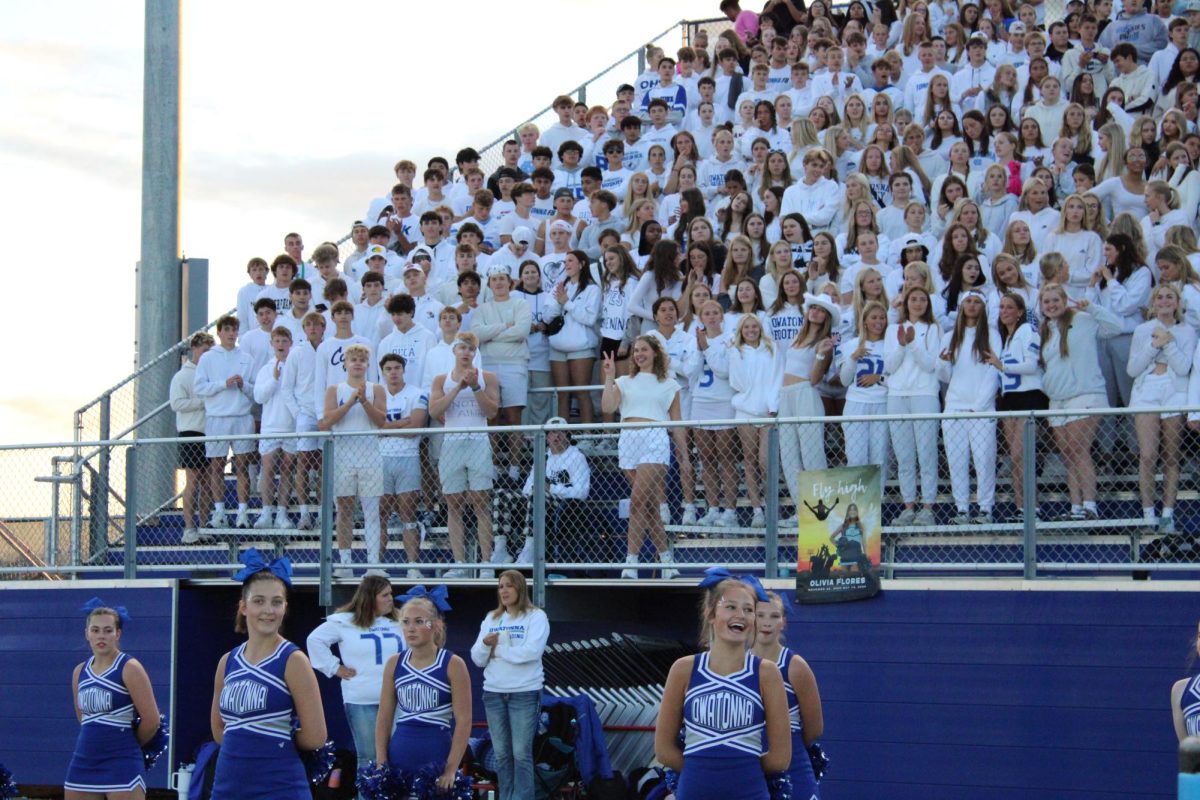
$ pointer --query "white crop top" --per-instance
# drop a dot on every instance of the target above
(645, 396)
(799, 361)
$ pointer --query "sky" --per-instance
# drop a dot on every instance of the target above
(292, 115)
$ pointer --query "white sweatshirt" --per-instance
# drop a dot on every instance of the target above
(567, 473)
(1041, 225)
(755, 379)
(188, 407)
(330, 367)
(1079, 373)
(412, 344)
(297, 378)
(1022, 373)
(1083, 251)
(515, 663)
(871, 363)
(1144, 357)
(214, 368)
(276, 418)
(503, 330)
(818, 203)
(364, 650)
(911, 369)
(1128, 300)
(971, 384)
(714, 371)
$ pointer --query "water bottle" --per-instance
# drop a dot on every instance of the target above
(181, 781)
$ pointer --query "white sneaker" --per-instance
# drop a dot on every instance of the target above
(711, 518)
(263, 521)
(905, 518)
(454, 574)
(414, 574)
(343, 573)
(376, 572)
(630, 573)
(190, 536)
(306, 522)
(242, 520)
(500, 551)
(282, 520)
(526, 556)
(487, 574)
(664, 513)
(217, 520)
(728, 518)
(667, 572)
(689, 515)
(758, 520)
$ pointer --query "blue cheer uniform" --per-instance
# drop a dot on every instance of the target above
(804, 783)
(107, 756)
(424, 714)
(723, 729)
(1189, 704)
(258, 758)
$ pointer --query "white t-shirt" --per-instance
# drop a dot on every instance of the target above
(400, 406)
(364, 650)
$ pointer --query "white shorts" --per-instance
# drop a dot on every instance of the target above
(466, 466)
(514, 383)
(1080, 403)
(574, 355)
(643, 446)
(705, 409)
(359, 479)
(268, 446)
(306, 424)
(228, 426)
(401, 474)
(1157, 391)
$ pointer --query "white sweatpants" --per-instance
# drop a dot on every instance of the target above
(867, 442)
(916, 442)
(371, 530)
(966, 441)
(801, 446)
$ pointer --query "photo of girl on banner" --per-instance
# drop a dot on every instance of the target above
(838, 542)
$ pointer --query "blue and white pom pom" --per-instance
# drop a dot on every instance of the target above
(424, 785)
(378, 782)
(820, 761)
(8, 787)
(319, 763)
(779, 785)
(158, 743)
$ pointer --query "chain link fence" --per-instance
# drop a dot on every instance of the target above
(1005, 495)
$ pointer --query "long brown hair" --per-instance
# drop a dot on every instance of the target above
(1063, 324)
(523, 602)
(981, 348)
(239, 619)
(362, 604)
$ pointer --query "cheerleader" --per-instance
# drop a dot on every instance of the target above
(723, 753)
(806, 361)
(1071, 378)
(364, 630)
(1081, 248)
(1160, 358)
(910, 363)
(968, 369)
(1185, 700)
(261, 687)
(1020, 383)
(646, 394)
(711, 400)
(112, 691)
(509, 650)
(861, 371)
(754, 378)
(425, 703)
(805, 715)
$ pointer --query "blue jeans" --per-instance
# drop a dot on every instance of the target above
(512, 722)
(362, 728)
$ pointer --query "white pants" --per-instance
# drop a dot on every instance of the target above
(801, 447)
(916, 441)
(867, 442)
(971, 440)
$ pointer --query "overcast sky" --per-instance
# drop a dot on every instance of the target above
(293, 114)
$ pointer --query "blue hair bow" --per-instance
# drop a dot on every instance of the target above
(714, 575)
(96, 602)
(439, 596)
(279, 567)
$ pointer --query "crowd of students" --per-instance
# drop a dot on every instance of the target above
(880, 209)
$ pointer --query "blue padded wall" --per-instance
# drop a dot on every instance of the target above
(41, 641)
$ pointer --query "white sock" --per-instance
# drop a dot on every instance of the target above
(303, 508)
(344, 555)
(692, 506)
(242, 508)
(1168, 512)
(1076, 509)
(665, 557)
(1090, 505)
(631, 558)
(219, 507)
(1148, 513)
(268, 511)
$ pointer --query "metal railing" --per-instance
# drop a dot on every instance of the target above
(567, 536)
